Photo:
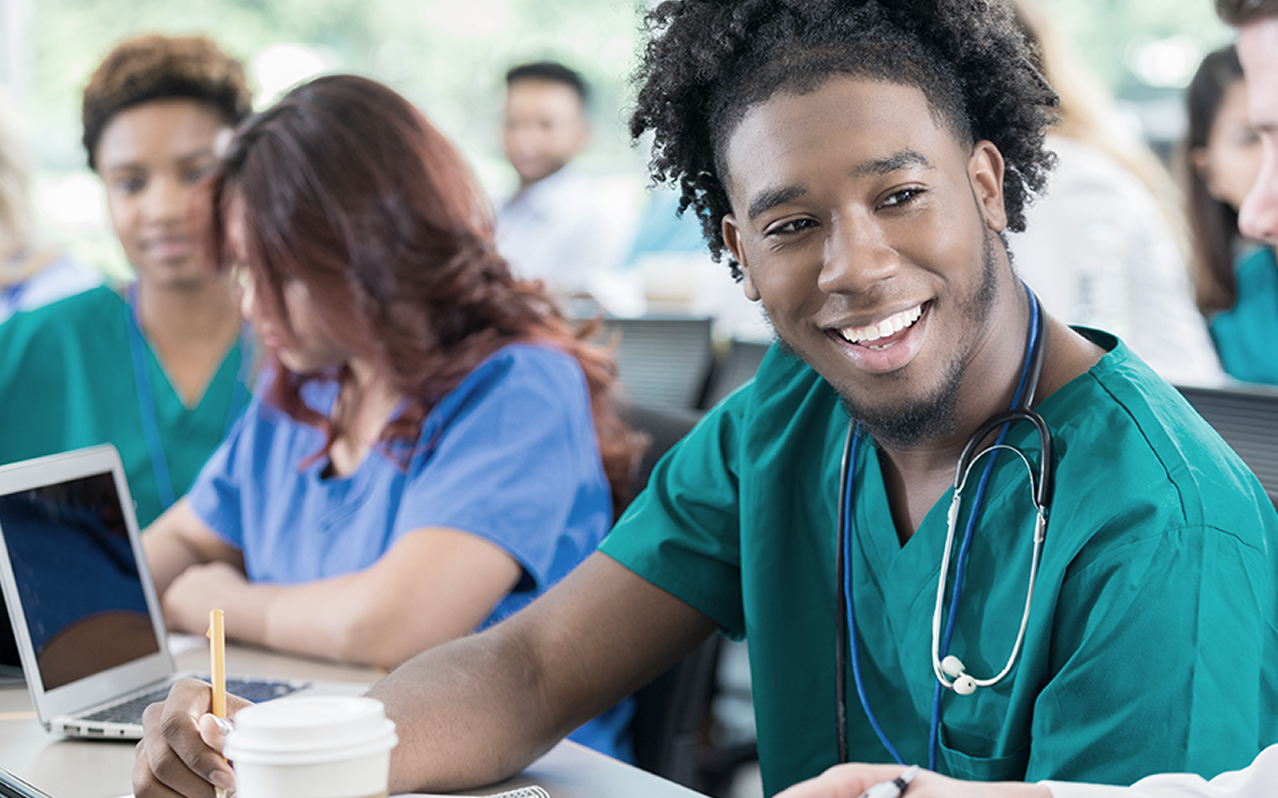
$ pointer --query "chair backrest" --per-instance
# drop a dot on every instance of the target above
(733, 369)
(664, 426)
(671, 713)
(662, 362)
(1247, 418)
(671, 710)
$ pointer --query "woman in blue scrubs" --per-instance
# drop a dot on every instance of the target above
(431, 446)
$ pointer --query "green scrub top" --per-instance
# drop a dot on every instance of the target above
(1151, 642)
(68, 383)
(1245, 334)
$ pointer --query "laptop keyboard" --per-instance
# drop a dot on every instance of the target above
(130, 711)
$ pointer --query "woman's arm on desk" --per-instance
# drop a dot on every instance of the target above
(178, 540)
(433, 585)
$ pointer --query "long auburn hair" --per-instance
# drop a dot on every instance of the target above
(344, 186)
(1213, 224)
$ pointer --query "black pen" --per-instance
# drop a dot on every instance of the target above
(893, 788)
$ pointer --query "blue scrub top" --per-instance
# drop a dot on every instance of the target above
(510, 456)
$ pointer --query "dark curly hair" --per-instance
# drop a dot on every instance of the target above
(709, 61)
(155, 67)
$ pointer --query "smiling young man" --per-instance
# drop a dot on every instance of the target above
(859, 162)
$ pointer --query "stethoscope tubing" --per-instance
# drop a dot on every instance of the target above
(846, 632)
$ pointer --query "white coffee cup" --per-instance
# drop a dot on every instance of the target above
(312, 747)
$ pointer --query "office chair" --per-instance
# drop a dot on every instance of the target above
(1246, 416)
(671, 714)
(671, 711)
(736, 367)
(661, 362)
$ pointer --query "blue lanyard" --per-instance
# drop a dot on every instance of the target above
(13, 298)
(146, 395)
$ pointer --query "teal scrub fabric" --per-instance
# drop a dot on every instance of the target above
(68, 382)
(1246, 335)
(1151, 639)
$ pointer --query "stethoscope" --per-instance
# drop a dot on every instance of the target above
(146, 396)
(950, 672)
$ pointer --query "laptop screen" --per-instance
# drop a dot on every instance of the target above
(77, 578)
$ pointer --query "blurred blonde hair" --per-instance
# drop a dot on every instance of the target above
(15, 182)
(1086, 112)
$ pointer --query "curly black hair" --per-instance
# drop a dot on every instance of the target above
(707, 62)
(157, 67)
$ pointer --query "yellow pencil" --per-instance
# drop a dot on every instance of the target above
(217, 654)
(217, 651)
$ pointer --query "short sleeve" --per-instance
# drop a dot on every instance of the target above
(511, 456)
(215, 496)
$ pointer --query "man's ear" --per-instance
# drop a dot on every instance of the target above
(732, 240)
(985, 172)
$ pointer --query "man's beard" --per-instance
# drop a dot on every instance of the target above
(933, 415)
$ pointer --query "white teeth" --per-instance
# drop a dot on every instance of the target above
(889, 326)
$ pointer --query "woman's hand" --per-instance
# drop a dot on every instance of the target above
(180, 751)
(849, 781)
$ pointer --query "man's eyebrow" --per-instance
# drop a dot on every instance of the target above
(892, 163)
(771, 198)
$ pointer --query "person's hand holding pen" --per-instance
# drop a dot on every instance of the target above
(854, 780)
(180, 751)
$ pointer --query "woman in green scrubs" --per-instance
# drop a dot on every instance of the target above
(160, 367)
(1237, 280)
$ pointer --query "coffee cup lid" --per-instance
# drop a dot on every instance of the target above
(310, 728)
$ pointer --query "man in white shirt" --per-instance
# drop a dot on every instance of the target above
(557, 227)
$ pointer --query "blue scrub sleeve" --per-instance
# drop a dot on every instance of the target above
(514, 461)
(215, 497)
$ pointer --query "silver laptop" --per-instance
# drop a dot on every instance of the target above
(85, 617)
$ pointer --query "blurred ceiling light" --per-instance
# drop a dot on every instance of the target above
(278, 67)
(1164, 63)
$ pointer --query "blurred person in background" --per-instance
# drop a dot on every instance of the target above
(1102, 247)
(559, 226)
(30, 275)
(159, 367)
(1236, 279)
(431, 446)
